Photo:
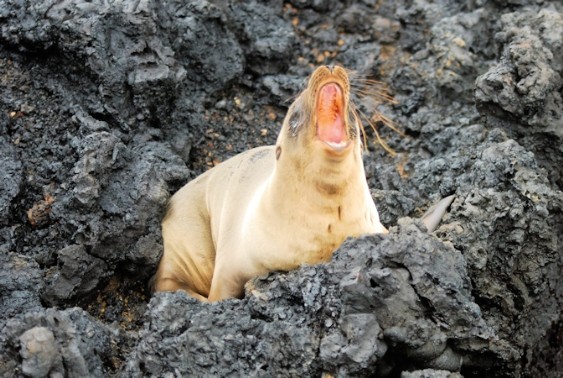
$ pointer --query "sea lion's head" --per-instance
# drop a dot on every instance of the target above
(320, 124)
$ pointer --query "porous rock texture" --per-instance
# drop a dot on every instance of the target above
(108, 107)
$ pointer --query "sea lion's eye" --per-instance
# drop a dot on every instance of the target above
(295, 122)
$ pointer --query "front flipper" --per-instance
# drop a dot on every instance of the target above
(434, 214)
(170, 284)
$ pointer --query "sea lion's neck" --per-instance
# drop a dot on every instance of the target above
(320, 185)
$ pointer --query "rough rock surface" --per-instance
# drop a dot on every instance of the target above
(107, 108)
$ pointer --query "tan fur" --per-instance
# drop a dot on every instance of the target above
(257, 213)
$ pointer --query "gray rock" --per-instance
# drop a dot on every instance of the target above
(268, 42)
(430, 373)
(376, 293)
(11, 178)
(524, 84)
(78, 274)
(38, 351)
(107, 108)
(55, 343)
(21, 280)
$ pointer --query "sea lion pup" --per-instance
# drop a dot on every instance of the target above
(275, 207)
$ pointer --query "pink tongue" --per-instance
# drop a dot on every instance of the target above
(330, 127)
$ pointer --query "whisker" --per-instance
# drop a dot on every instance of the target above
(373, 88)
(388, 122)
(369, 81)
(378, 94)
(385, 146)
(362, 130)
(292, 98)
(364, 83)
(352, 74)
(364, 87)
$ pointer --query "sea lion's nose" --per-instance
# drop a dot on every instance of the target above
(330, 68)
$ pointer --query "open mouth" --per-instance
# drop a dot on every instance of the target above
(331, 127)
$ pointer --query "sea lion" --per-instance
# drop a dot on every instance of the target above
(276, 207)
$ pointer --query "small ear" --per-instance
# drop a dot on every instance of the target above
(278, 152)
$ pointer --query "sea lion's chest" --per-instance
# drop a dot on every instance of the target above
(280, 221)
(286, 241)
